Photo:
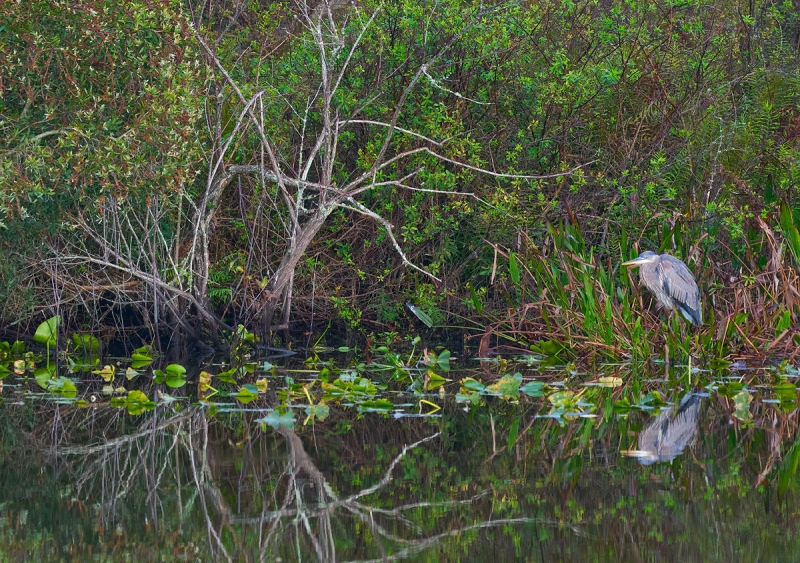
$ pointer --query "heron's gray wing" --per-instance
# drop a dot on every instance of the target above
(678, 282)
(681, 429)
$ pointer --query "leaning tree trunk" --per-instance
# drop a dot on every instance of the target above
(282, 280)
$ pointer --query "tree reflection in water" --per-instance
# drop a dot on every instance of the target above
(80, 481)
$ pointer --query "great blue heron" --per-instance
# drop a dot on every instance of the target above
(672, 283)
(666, 437)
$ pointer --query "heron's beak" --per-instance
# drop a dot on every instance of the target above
(634, 262)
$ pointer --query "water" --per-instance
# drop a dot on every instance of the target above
(546, 475)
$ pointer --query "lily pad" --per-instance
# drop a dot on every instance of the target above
(46, 332)
(319, 411)
(247, 394)
(277, 419)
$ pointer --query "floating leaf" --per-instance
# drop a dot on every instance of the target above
(107, 373)
(563, 399)
(474, 398)
(175, 370)
(86, 344)
(623, 406)
(443, 360)
(277, 419)
(44, 375)
(63, 386)
(227, 376)
(18, 348)
(730, 389)
(137, 402)
(742, 410)
(46, 332)
(379, 405)
(262, 385)
(472, 385)
(506, 387)
(787, 393)
(141, 357)
(610, 381)
(173, 378)
(319, 412)
(434, 380)
(130, 373)
(533, 389)
(247, 394)
(174, 375)
(548, 347)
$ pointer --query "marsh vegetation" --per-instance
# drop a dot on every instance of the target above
(330, 280)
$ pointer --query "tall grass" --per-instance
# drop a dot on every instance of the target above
(569, 301)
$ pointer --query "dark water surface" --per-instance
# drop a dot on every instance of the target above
(592, 475)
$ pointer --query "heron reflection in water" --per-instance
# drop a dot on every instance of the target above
(666, 437)
(672, 282)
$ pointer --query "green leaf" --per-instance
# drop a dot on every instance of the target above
(175, 370)
(277, 419)
(548, 347)
(506, 387)
(610, 381)
(476, 302)
(46, 332)
(174, 375)
(175, 382)
(107, 373)
(513, 268)
(227, 376)
(247, 394)
(790, 232)
(138, 402)
(64, 387)
(421, 315)
(742, 406)
(141, 357)
(86, 344)
(784, 321)
(533, 389)
(444, 360)
(471, 384)
(44, 375)
(513, 432)
(378, 405)
(318, 412)
(434, 380)
(788, 468)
